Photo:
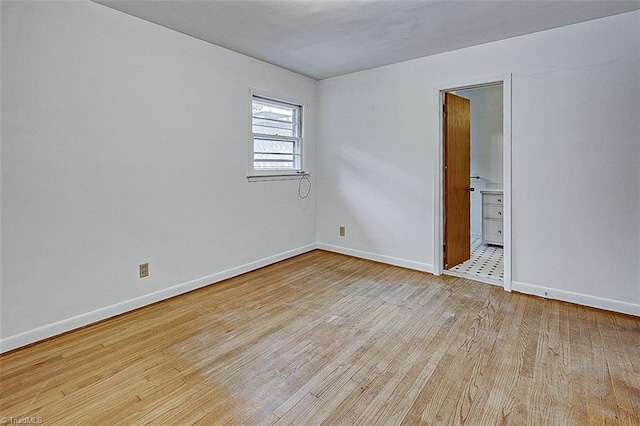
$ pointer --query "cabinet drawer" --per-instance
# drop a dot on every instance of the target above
(493, 211)
(492, 199)
(492, 231)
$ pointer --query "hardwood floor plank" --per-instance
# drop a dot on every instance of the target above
(496, 388)
(329, 339)
(451, 338)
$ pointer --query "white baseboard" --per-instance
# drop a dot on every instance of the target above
(410, 264)
(50, 330)
(578, 298)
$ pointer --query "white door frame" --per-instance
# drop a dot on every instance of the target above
(438, 193)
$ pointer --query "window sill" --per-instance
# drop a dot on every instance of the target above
(276, 177)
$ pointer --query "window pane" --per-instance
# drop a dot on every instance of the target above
(269, 146)
(274, 162)
(272, 127)
(275, 154)
(271, 117)
(275, 119)
(274, 110)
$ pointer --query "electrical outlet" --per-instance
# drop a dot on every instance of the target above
(144, 270)
(342, 231)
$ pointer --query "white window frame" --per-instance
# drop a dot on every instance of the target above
(276, 174)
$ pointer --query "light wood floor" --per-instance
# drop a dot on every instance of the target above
(325, 338)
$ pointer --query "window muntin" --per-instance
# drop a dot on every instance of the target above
(277, 136)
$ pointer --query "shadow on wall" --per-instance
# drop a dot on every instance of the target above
(368, 187)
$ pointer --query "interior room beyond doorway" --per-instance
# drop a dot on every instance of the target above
(487, 176)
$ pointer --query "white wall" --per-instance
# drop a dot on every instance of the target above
(576, 152)
(122, 143)
(486, 146)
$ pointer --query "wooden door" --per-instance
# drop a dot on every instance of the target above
(457, 171)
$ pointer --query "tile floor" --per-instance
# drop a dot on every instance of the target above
(486, 263)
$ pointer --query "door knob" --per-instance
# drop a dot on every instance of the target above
(471, 189)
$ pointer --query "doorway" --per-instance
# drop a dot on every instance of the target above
(479, 223)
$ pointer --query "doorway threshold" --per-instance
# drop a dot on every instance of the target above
(485, 280)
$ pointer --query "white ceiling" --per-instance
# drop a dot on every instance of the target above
(322, 39)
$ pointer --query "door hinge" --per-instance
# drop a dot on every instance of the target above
(444, 109)
(444, 247)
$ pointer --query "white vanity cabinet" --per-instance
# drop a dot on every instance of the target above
(492, 215)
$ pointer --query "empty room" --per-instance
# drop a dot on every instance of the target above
(320, 212)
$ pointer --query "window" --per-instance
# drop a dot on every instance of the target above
(276, 137)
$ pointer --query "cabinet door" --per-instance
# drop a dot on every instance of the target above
(492, 232)
(492, 198)
(492, 211)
